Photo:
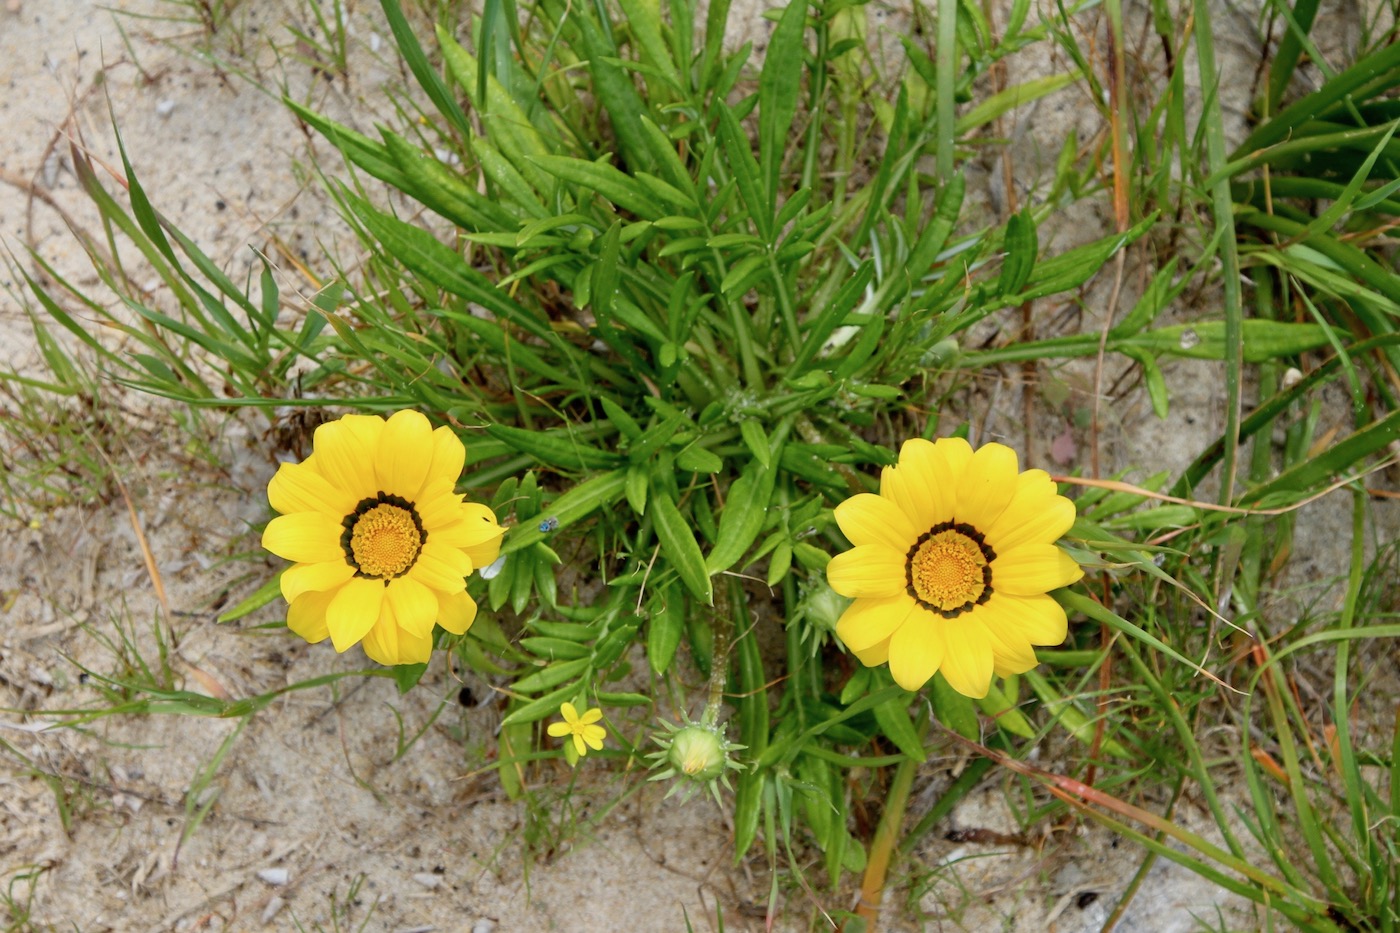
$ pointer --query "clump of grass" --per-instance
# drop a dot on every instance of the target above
(651, 282)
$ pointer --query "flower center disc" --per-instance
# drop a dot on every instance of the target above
(383, 537)
(949, 569)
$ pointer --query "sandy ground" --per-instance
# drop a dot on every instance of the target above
(306, 818)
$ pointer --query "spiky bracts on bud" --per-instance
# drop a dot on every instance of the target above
(697, 754)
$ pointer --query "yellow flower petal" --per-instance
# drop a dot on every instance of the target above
(314, 578)
(485, 553)
(569, 712)
(1037, 513)
(441, 514)
(1011, 649)
(305, 537)
(390, 644)
(986, 486)
(353, 611)
(1032, 569)
(917, 648)
(924, 485)
(871, 519)
(415, 649)
(456, 612)
(907, 485)
(415, 606)
(867, 622)
(967, 658)
(306, 615)
(300, 487)
(443, 568)
(591, 716)
(867, 570)
(404, 454)
(345, 450)
(594, 735)
(559, 729)
(445, 467)
(474, 531)
(875, 655)
(1039, 619)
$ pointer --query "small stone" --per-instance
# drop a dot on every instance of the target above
(428, 880)
(165, 108)
(273, 908)
(484, 926)
(273, 876)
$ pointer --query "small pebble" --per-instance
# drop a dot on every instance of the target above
(165, 108)
(428, 879)
(484, 926)
(272, 909)
(273, 876)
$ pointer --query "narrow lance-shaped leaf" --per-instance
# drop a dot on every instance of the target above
(679, 545)
(778, 86)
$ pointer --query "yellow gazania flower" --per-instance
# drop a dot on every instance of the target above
(951, 566)
(584, 729)
(382, 545)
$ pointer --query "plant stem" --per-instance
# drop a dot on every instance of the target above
(872, 886)
(719, 667)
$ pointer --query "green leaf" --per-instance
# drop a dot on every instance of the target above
(778, 87)
(599, 492)
(421, 252)
(535, 710)
(552, 676)
(441, 190)
(697, 459)
(664, 629)
(756, 440)
(507, 124)
(831, 316)
(554, 649)
(1021, 248)
(679, 545)
(1340, 457)
(1004, 713)
(406, 676)
(560, 447)
(613, 87)
(1263, 340)
(261, 597)
(423, 71)
(745, 513)
(637, 484)
(622, 190)
(893, 717)
(953, 709)
(1005, 101)
(643, 19)
(746, 171)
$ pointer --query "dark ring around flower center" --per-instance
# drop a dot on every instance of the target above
(973, 536)
(361, 509)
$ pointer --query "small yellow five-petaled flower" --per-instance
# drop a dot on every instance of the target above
(584, 730)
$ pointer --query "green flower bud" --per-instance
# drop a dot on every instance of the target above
(823, 606)
(697, 753)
